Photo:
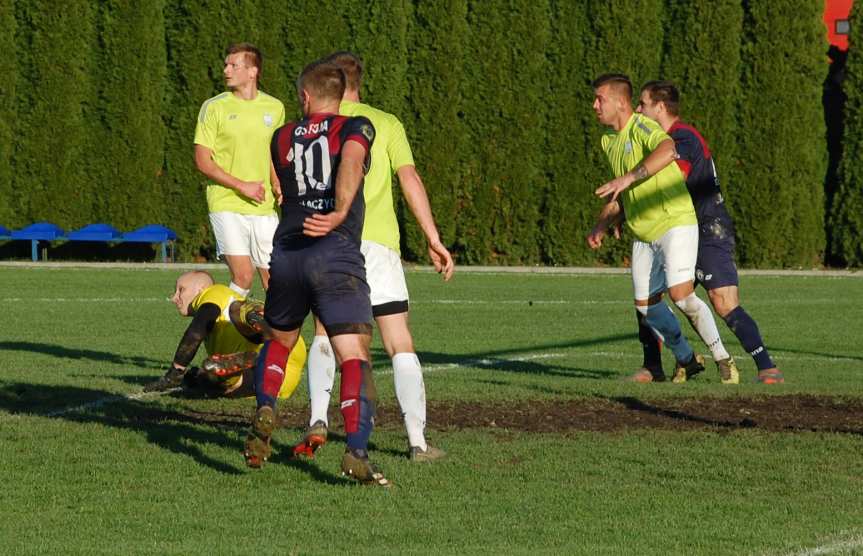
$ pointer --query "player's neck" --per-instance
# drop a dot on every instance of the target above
(246, 92)
(665, 122)
(351, 95)
(329, 107)
(622, 120)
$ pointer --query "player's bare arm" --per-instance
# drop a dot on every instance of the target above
(662, 156)
(206, 165)
(348, 180)
(277, 185)
(418, 201)
(610, 216)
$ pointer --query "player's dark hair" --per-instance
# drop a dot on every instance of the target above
(666, 93)
(618, 81)
(252, 55)
(323, 79)
(351, 65)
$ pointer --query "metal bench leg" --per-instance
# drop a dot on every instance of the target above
(164, 252)
(34, 249)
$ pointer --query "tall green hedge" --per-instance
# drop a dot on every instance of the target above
(433, 117)
(131, 134)
(781, 157)
(846, 216)
(98, 122)
(702, 54)
(56, 152)
(8, 66)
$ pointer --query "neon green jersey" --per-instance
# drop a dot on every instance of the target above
(656, 204)
(238, 132)
(390, 151)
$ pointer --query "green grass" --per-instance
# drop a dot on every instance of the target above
(144, 476)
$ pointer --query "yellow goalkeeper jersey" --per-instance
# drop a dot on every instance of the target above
(225, 338)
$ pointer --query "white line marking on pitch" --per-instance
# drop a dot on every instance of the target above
(832, 548)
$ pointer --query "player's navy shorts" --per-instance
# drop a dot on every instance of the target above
(325, 275)
(715, 267)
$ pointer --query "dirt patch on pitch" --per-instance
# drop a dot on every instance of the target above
(769, 413)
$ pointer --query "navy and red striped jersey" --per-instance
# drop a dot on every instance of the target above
(306, 155)
(696, 163)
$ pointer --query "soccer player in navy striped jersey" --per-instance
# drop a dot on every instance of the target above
(320, 162)
(715, 267)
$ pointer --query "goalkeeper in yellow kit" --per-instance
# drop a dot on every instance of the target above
(232, 329)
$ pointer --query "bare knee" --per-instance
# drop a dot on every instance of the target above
(724, 300)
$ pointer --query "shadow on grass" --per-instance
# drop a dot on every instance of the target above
(175, 431)
(519, 360)
(774, 348)
(64, 352)
(634, 404)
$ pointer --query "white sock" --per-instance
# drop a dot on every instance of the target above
(702, 321)
(411, 393)
(242, 291)
(322, 374)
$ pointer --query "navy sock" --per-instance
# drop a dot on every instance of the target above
(746, 330)
(650, 345)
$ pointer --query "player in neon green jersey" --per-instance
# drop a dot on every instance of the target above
(224, 322)
(232, 141)
(660, 214)
(390, 153)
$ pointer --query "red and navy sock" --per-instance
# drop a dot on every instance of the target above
(650, 345)
(270, 372)
(746, 330)
(358, 396)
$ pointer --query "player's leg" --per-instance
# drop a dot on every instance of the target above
(718, 274)
(651, 347)
(341, 301)
(286, 306)
(648, 281)
(262, 230)
(321, 376)
(679, 248)
(390, 303)
(232, 241)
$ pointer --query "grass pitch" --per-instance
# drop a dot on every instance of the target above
(549, 451)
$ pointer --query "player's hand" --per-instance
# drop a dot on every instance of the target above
(277, 192)
(594, 239)
(254, 190)
(318, 225)
(614, 187)
(441, 259)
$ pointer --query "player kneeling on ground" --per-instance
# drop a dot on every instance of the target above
(232, 331)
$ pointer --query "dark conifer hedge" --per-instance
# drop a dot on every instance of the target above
(846, 215)
(495, 95)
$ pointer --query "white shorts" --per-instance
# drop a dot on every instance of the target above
(666, 262)
(386, 278)
(245, 234)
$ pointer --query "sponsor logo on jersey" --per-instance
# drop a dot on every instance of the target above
(232, 116)
(627, 147)
(312, 129)
(268, 119)
(368, 131)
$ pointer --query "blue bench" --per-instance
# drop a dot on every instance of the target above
(46, 231)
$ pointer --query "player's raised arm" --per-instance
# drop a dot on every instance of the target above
(662, 156)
